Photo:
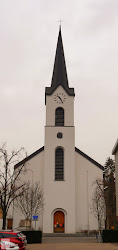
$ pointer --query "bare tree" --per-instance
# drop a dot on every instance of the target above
(31, 201)
(110, 193)
(98, 203)
(8, 177)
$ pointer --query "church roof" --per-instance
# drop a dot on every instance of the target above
(115, 148)
(29, 157)
(59, 76)
(41, 149)
(89, 158)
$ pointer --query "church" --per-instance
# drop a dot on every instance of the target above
(66, 174)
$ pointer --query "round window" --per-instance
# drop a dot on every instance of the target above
(59, 135)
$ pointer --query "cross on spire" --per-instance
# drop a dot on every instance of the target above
(60, 21)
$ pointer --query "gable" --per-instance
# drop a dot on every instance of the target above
(49, 91)
(29, 157)
(89, 158)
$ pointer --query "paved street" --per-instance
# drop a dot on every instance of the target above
(73, 246)
(72, 243)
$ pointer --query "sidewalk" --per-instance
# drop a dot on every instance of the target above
(66, 239)
(73, 246)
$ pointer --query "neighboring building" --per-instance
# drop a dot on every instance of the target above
(9, 218)
(66, 174)
(115, 152)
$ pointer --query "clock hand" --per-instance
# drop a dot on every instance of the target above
(60, 99)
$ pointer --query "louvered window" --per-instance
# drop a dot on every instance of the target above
(59, 117)
(59, 164)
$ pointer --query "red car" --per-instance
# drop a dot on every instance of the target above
(6, 245)
(15, 237)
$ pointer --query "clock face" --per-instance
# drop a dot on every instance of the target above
(59, 98)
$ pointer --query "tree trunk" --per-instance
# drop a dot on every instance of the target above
(4, 221)
(4, 208)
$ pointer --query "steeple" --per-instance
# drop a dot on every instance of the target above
(59, 76)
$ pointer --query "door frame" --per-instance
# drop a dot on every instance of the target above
(65, 218)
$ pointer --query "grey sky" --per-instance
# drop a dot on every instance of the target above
(28, 38)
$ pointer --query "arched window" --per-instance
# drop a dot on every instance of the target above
(59, 164)
(59, 117)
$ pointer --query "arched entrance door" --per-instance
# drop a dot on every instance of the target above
(59, 222)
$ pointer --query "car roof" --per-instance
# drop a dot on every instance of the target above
(10, 232)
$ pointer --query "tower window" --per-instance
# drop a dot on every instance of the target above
(59, 164)
(59, 117)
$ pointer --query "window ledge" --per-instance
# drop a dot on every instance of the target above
(59, 180)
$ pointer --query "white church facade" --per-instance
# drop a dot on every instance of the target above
(66, 174)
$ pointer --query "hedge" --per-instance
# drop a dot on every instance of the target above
(33, 236)
(110, 235)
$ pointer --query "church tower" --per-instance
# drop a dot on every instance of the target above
(59, 150)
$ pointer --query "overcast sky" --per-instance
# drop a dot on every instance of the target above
(28, 39)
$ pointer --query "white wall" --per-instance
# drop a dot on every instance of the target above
(85, 170)
(36, 165)
(61, 194)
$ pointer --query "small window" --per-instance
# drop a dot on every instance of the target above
(59, 164)
(25, 223)
(1, 213)
(60, 135)
(59, 117)
(9, 223)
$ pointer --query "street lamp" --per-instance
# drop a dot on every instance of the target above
(32, 192)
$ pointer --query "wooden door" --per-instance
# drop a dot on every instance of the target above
(59, 222)
(1, 213)
(9, 223)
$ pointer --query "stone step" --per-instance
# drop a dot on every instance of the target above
(66, 235)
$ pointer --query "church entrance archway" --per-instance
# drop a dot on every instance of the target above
(59, 222)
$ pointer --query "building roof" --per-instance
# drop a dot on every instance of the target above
(89, 158)
(41, 149)
(115, 148)
(59, 76)
(29, 157)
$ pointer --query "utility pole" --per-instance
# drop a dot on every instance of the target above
(88, 203)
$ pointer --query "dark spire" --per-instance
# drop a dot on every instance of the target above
(59, 76)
